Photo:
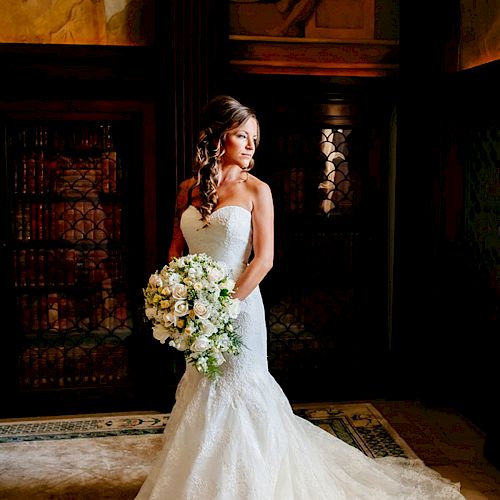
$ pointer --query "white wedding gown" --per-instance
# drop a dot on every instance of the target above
(238, 438)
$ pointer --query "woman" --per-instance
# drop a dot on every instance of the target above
(238, 438)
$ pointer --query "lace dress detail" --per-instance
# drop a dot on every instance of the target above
(238, 438)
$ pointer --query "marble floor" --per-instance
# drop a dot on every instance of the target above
(447, 442)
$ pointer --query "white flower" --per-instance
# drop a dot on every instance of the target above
(181, 308)
(168, 318)
(223, 343)
(201, 310)
(160, 333)
(189, 297)
(219, 358)
(179, 291)
(201, 344)
(229, 284)
(195, 271)
(179, 344)
(173, 279)
(234, 309)
(215, 275)
(155, 281)
(208, 328)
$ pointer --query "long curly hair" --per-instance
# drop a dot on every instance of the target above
(222, 114)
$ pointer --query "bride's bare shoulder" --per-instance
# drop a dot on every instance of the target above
(259, 189)
(256, 183)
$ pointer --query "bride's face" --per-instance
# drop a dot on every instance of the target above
(240, 144)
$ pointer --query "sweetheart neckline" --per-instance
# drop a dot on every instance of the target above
(224, 206)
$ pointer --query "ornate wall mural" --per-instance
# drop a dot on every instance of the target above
(79, 22)
(330, 19)
(480, 33)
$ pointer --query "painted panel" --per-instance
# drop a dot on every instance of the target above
(79, 22)
(480, 33)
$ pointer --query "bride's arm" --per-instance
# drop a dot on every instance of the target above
(263, 243)
(178, 243)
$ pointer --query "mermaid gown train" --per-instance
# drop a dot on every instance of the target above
(238, 438)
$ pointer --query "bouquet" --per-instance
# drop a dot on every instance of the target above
(189, 302)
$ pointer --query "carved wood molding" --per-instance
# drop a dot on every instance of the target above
(274, 55)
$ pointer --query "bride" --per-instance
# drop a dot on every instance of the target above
(237, 438)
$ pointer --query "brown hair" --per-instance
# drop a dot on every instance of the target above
(222, 114)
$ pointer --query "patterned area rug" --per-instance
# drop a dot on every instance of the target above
(358, 424)
(108, 456)
(82, 427)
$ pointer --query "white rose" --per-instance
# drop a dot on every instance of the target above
(181, 308)
(179, 291)
(234, 308)
(155, 280)
(215, 275)
(150, 312)
(208, 328)
(201, 310)
(160, 333)
(201, 344)
(168, 318)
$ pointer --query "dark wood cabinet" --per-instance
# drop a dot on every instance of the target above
(78, 240)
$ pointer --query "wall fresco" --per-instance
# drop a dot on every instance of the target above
(80, 22)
